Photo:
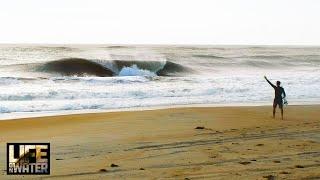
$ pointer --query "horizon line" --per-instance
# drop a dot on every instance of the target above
(163, 44)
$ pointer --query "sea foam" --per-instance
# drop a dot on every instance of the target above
(135, 71)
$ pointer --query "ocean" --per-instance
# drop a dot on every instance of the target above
(37, 79)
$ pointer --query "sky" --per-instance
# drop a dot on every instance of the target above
(237, 22)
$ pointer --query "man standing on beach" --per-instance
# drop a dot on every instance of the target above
(278, 91)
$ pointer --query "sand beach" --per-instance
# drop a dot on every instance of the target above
(176, 143)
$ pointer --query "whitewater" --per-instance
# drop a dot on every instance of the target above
(37, 79)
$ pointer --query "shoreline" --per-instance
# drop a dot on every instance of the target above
(24, 115)
(192, 142)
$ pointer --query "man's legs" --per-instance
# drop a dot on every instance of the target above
(274, 108)
(281, 107)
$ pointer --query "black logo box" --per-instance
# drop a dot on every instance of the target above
(48, 154)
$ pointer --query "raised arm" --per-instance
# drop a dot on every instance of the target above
(270, 82)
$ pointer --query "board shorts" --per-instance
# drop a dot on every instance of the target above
(278, 102)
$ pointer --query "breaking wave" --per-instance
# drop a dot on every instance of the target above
(85, 67)
(76, 66)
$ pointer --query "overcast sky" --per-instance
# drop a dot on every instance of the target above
(292, 22)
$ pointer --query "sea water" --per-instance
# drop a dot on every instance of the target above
(64, 78)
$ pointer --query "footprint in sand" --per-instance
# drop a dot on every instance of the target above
(270, 177)
(103, 170)
(298, 166)
(114, 165)
(199, 127)
(245, 163)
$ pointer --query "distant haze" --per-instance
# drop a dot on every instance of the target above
(256, 22)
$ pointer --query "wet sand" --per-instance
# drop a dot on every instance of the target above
(177, 143)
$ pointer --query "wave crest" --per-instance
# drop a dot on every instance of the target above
(85, 67)
(76, 66)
